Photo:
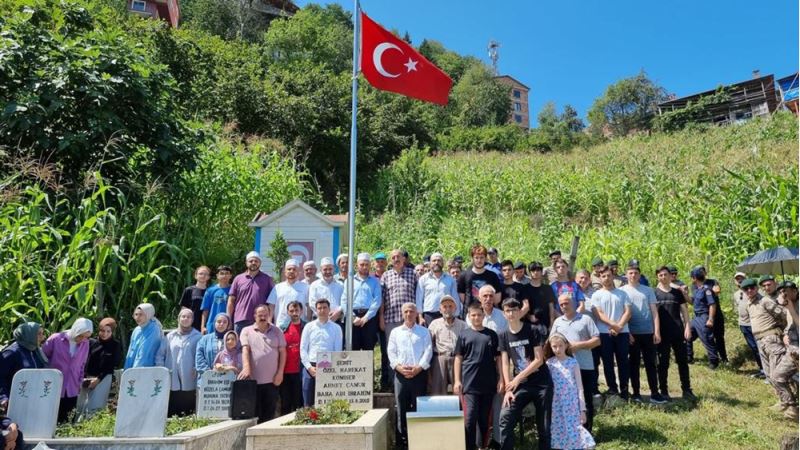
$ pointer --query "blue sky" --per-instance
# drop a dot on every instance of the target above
(569, 51)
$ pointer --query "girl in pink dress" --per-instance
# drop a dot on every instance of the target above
(569, 409)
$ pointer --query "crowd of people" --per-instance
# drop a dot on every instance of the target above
(501, 335)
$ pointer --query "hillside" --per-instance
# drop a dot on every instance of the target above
(705, 195)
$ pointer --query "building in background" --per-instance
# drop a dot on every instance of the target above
(520, 113)
(167, 10)
(752, 98)
(787, 87)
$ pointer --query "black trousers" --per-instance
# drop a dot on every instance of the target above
(542, 398)
(181, 403)
(589, 381)
(266, 401)
(364, 337)
(66, 406)
(291, 392)
(668, 345)
(596, 360)
(406, 391)
(719, 335)
(477, 410)
(643, 348)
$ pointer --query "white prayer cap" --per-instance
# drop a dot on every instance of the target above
(341, 257)
(309, 263)
(253, 254)
(325, 262)
(363, 257)
(290, 263)
(437, 255)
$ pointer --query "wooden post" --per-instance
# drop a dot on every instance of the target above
(573, 253)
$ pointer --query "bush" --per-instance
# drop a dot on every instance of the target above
(501, 138)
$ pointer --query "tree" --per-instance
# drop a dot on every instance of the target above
(79, 92)
(278, 253)
(561, 132)
(627, 105)
(570, 117)
(479, 100)
(228, 19)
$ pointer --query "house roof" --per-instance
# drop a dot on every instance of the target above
(264, 219)
(514, 80)
(748, 84)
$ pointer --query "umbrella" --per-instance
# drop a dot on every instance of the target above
(773, 261)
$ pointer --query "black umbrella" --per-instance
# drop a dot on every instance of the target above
(771, 262)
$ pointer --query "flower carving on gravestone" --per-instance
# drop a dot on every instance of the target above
(156, 387)
(45, 388)
(131, 388)
(23, 389)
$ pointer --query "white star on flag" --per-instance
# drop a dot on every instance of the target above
(410, 65)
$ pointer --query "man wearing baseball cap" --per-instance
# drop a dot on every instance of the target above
(248, 290)
(768, 319)
(550, 271)
(740, 306)
(444, 333)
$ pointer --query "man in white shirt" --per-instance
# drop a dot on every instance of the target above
(494, 318)
(410, 350)
(431, 287)
(328, 288)
(321, 335)
(287, 291)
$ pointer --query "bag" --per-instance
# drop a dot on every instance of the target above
(243, 399)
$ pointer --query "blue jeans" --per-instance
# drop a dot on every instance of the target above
(611, 348)
(309, 383)
(747, 332)
(706, 335)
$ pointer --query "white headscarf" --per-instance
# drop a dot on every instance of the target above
(81, 326)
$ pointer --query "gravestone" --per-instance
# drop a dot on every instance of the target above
(345, 376)
(143, 402)
(214, 394)
(34, 399)
(92, 400)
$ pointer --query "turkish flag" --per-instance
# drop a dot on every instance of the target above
(391, 64)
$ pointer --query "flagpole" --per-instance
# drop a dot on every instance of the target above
(351, 217)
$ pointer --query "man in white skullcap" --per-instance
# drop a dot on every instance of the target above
(292, 289)
(366, 302)
(309, 272)
(328, 288)
(248, 290)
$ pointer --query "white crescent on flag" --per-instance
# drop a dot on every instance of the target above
(376, 58)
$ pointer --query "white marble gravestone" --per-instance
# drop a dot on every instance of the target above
(214, 394)
(34, 399)
(92, 400)
(344, 376)
(143, 402)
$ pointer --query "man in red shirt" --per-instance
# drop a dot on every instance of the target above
(291, 388)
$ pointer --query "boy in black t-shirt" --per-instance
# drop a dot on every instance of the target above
(521, 349)
(673, 314)
(475, 277)
(476, 369)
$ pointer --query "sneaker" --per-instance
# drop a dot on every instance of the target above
(666, 397)
(612, 392)
(657, 399)
(636, 398)
(689, 395)
(624, 396)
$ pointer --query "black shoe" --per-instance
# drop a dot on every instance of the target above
(666, 397)
(689, 395)
(612, 392)
(637, 398)
(624, 396)
(657, 399)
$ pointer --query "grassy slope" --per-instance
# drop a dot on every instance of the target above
(508, 200)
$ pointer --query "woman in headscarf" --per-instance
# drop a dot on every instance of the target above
(68, 352)
(105, 353)
(181, 350)
(230, 357)
(24, 353)
(211, 344)
(145, 339)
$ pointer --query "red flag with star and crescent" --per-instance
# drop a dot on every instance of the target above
(392, 64)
